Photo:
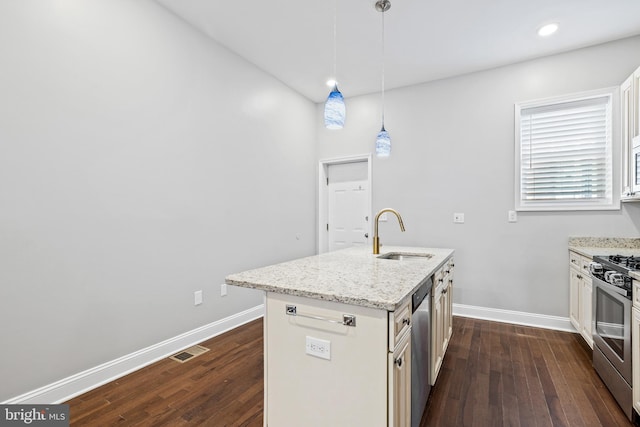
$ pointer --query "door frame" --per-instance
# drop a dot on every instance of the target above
(323, 194)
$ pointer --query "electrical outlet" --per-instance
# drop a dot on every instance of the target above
(318, 348)
(513, 216)
(458, 218)
(197, 298)
(223, 290)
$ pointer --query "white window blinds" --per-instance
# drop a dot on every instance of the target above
(565, 153)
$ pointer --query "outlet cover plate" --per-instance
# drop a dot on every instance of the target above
(318, 348)
(458, 218)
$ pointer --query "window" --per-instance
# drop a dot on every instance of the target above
(563, 153)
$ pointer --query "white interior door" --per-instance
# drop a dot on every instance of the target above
(348, 205)
(348, 217)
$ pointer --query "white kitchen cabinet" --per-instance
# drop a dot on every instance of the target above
(587, 314)
(630, 112)
(575, 313)
(357, 380)
(437, 333)
(448, 303)
(635, 348)
(580, 296)
(399, 369)
(441, 316)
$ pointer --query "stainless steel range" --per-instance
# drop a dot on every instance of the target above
(612, 324)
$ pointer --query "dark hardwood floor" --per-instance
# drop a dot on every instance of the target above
(498, 374)
(494, 374)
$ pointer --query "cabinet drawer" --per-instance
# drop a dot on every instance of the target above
(449, 266)
(575, 260)
(399, 323)
(438, 276)
(584, 266)
(636, 293)
(580, 263)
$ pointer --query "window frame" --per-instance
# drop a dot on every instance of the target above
(612, 201)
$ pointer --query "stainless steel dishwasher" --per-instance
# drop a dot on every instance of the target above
(420, 349)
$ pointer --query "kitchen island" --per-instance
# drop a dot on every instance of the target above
(337, 335)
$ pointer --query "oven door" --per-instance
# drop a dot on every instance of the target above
(612, 326)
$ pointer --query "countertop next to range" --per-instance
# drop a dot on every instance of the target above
(352, 276)
(603, 246)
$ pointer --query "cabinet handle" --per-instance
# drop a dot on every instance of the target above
(445, 291)
(398, 362)
(406, 321)
(347, 319)
(579, 276)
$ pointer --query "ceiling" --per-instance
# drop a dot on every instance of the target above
(425, 40)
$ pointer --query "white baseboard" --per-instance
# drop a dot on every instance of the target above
(515, 317)
(72, 386)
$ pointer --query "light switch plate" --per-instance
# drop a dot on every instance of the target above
(458, 218)
(513, 216)
(197, 298)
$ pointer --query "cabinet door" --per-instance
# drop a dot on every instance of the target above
(446, 315)
(449, 314)
(628, 130)
(575, 315)
(635, 358)
(437, 334)
(400, 384)
(587, 314)
(636, 103)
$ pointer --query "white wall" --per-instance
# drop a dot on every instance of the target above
(139, 162)
(453, 151)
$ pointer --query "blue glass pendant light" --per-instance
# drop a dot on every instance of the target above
(383, 140)
(383, 143)
(334, 108)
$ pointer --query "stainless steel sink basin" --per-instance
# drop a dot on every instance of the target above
(404, 256)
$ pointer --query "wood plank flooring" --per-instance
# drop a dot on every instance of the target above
(494, 374)
(497, 374)
(222, 387)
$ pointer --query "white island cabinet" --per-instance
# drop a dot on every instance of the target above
(337, 336)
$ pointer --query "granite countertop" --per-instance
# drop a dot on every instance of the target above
(594, 246)
(352, 276)
(603, 246)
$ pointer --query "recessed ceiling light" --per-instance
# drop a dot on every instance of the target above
(331, 83)
(547, 30)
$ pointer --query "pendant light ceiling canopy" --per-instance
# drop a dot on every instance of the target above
(383, 140)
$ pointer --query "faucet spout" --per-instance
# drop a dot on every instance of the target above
(376, 238)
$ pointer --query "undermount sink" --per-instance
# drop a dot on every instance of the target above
(404, 256)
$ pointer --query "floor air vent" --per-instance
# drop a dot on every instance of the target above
(189, 353)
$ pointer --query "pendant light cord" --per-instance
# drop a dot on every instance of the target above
(335, 43)
(382, 91)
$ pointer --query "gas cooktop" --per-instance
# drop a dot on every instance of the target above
(624, 262)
